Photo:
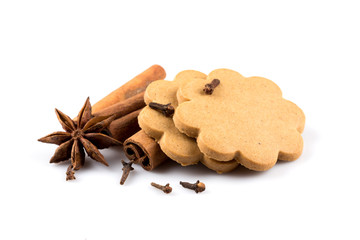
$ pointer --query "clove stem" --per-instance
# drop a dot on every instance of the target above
(70, 173)
(126, 170)
(166, 189)
(197, 187)
(166, 109)
(209, 87)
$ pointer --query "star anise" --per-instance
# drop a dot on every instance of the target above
(83, 133)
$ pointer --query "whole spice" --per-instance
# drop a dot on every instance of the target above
(124, 107)
(124, 127)
(166, 109)
(70, 173)
(84, 133)
(166, 189)
(144, 150)
(136, 85)
(197, 187)
(127, 167)
(209, 88)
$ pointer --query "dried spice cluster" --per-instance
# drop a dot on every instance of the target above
(109, 122)
(83, 133)
(197, 187)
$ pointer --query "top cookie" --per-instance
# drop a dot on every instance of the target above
(175, 144)
(244, 119)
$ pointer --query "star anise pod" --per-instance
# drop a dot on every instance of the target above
(83, 133)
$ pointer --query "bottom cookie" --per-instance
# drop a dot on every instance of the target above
(218, 166)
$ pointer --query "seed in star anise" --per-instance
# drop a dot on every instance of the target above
(83, 133)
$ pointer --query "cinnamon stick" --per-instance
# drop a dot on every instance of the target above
(124, 127)
(144, 150)
(137, 85)
(123, 108)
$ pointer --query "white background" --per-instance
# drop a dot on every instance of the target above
(56, 53)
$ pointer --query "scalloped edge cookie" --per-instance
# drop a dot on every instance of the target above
(173, 143)
(245, 119)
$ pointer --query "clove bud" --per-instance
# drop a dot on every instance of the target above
(166, 189)
(166, 109)
(197, 187)
(126, 170)
(70, 173)
(209, 88)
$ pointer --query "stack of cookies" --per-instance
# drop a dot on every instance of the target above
(222, 120)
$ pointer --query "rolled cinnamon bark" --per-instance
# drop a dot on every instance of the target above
(144, 150)
(137, 85)
(124, 127)
(123, 108)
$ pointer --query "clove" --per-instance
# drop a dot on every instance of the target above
(166, 109)
(70, 173)
(126, 170)
(166, 189)
(197, 187)
(209, 88)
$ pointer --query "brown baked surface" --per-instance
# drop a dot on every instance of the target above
(245, 119)
(174, 144)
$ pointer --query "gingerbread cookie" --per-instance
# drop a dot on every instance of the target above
(219, 166)
(173, 143)
(244, 119)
